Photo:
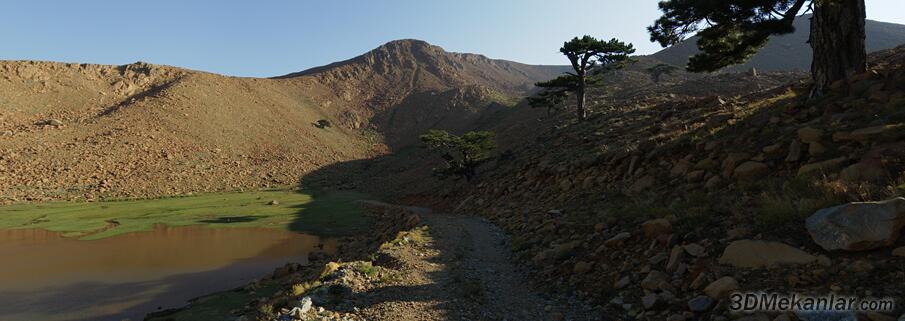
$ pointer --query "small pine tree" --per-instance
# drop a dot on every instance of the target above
(461, 154)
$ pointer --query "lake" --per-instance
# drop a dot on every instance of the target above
(45, 276)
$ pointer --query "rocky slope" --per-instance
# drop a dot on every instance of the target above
(79, 131)
(791, 52)
(656, 209)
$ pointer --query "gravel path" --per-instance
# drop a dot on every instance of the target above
(463, 270)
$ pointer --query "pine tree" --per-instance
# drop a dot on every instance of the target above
(731, 31)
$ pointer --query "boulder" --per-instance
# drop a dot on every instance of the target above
(700, 304)
(654, 228)
(810, 135)
(858, 226)
(653, 280)
(757, 254)
(794, 152)
(750, 170)
(864, 171)
(824, 166)
(721, 288)
(899, 252)
(617, 240)
(642, 184)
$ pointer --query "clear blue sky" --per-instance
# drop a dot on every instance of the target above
(269, 38)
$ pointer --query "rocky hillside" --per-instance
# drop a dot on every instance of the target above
(791, 52)
(79, 131)
(657, 208)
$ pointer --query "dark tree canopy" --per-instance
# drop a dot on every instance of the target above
(731, 31)
(588, 57)
(461, 154)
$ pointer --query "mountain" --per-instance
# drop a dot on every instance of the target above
(82, 131)
(790, 52)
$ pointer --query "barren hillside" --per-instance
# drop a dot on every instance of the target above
(79, 131)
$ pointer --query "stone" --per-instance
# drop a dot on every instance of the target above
(810, 135)
(870, 133)
(617, 240)
(864, 171)
(654, 228)
(642, 184)
(758, 254)
(794, 152)
(582, 267)
(695, 176)
(681, 168)
(675, 256)
(721, 288)
(860, 266)
(273, 202)
(622, 282)
(650, 301)
(700, 304)
(750, 170)
(54, 122)
(816, 148)
(899, 252)
(824, 166)
(304, 305)
(694, 249)
(772, 149)
(653, 280)
(858, 226)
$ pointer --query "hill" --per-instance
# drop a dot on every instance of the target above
(81, 131)
(791, 52)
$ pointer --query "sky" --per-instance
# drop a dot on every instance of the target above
(270, 38)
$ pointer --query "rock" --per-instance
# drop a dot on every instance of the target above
(681, 168)
(54, 122)
(642, 184)
(816, 148)
(700, 304)
(654, 228)
(273, 202)
(582, 267)
(694, 249)
(869, 133)
(650, 301)
(772, 149)
(824, 166)
(617, 240)
(864, 171)
(810, 135)
(900, 252)
(622, 282)
(794, 152)
(721, 288)
(304, 306)
(695, 176)
(757, 254)
(653, 280)
(675, 256)
(860, 266)
(750, 170)
(858, 226)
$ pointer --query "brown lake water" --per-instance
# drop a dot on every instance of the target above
(44, 276)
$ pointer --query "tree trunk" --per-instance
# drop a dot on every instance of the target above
(837, 37)
(582, 110)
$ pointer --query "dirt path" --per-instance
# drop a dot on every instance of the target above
(461, 268)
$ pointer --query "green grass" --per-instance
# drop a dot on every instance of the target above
(329, 213)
